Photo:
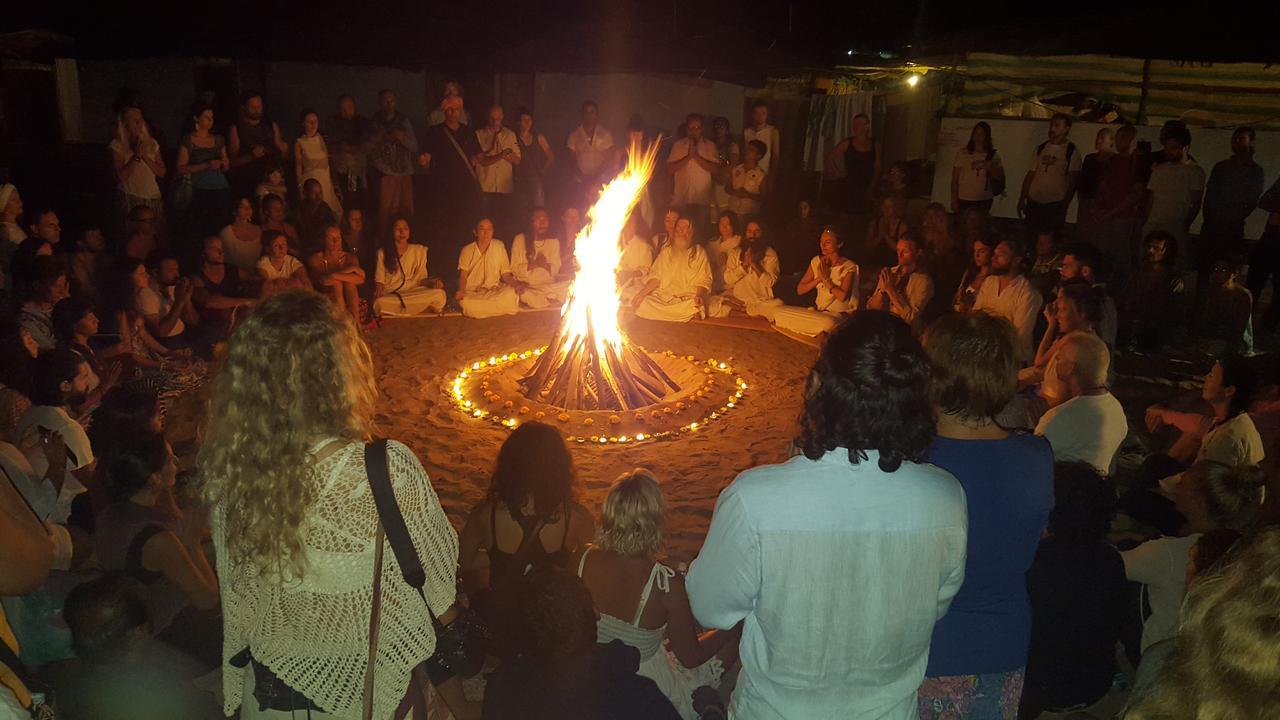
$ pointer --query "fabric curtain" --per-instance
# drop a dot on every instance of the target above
(830, 116)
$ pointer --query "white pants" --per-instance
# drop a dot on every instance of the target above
(718, 306)
(546, 294)
(805, 321)
(490, 302)
(671, 308)
(414, 301)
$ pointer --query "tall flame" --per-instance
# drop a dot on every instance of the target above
(593, 300)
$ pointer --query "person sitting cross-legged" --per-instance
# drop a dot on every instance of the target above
(486, 287)
(280, 270)
(337, 273)
(679, 281)
(536, 262)
(835, 277)
(622, 560)
(402, 285)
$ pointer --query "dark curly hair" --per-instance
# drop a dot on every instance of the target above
(869, 390)
(1083, 503)
(534, 463)
(556, 618)
(16, 364)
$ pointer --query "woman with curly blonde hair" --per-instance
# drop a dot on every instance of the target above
(622, 574)
(1226, 657)
(294, 521)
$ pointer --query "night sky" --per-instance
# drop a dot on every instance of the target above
(661, 34)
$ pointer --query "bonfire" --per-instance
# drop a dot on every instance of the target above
(589, 364)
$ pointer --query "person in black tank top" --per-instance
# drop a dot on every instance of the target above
(861, 167)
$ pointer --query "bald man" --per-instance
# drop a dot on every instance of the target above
(1090, 424)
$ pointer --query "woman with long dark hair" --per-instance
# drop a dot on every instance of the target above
(531, 495)
(536, 262)
(841, 559)
(402, 285)
(977, 175)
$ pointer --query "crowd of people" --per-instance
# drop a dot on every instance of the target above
(939, 545)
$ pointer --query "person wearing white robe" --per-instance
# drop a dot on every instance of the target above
(401, 283)
(679, 281)
(486, 287)
(719, 247)
(904, 289)
(634, 264)
(835, 277)
(750, 273)
(539, 269)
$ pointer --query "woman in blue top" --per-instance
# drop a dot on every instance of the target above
(979, 647)
(202, 158)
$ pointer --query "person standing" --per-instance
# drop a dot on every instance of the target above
(1050, 182)
(1091, 169)
(348, 135)
(839, 561)
(1264, 263)
(311, 154)
(1114, 213)
(861, 170)
(253, 143)
(761, 130)
(203, 157)
(747, 181)
(393, 148)
(1174, 194)
(449, 151)
(589, 147)
(536, 160)
(693, 162)
(979, 649)
(135, 156)
(977, 175)
(495, 167)
(297, 577)
(1229, 198)
(1008, 293)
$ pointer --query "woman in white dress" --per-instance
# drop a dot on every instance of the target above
(242, 239)
(402, 286)
(535, 261)
(632, 522)
(278, 269)
(751, 270)
(135, 155)
(835, 277)
(719, 248)
(486, 287)
(312, 158)
(679, 281)
(635, 262)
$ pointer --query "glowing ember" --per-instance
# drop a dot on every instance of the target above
(589, 365)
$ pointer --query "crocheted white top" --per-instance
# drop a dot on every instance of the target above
(313, 632)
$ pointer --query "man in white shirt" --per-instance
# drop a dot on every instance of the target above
(1050, 182)
(764, 132)
(692, 161)
(1091, 424)
(165, 304)
(838, 562)
(495, 166)
(1010, 295)
(747, 181)
(1175, 191)
(590, 147)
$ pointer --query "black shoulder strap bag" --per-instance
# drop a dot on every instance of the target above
(460, 645)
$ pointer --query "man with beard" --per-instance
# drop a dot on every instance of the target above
(590, 147)
(391, 154)
(450, 152)
(1175, 192)
(1010, 295)
(1050, 183)
(495, 167)
(253, 142)
(347, 134)
(165, 304)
